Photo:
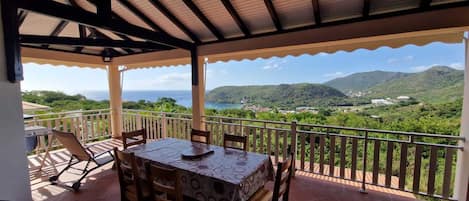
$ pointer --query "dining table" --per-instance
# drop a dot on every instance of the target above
(220, 174)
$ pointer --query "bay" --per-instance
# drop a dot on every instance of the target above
(183, 98)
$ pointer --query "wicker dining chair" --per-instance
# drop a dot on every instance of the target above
(164, 183)
(200, 136)
(132, 187)
(134, 138)
(229, 140)
(281, 185)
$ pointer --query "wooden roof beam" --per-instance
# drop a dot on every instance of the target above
(21, 17)
(425, 3)
(366, 8)
(317, 12)
(58, 29)
(229, 7)
(141, 15)
(108, 43)
(273, 14)
(69, 13)
(159, 6)
(204, 19)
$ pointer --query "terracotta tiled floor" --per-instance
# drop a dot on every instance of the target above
(103, 185)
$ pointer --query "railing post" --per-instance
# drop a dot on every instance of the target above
(293, 145)
(163, 125)
(138, 118)
(462, 164)
(365, 153)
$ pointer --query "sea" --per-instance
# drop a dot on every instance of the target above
(183, 98)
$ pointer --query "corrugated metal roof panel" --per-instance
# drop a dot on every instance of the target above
(333, 10)
(294, 13)
(158, 18)
(385, 6)
(216, 12)
(126, 14)
(71, 30)
(255, 14)
(189, 19)
(36, 24)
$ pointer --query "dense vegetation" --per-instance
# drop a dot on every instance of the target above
(285, 96)
(436, 85)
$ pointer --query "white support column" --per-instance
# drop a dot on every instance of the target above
(462, 164)
(198, 91)
(115, 99)
(14, 175)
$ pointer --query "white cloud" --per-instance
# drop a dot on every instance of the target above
(335, 75)
(422, 67)
(274, 64)
(323, 54)
(457, 65)
(401, 59)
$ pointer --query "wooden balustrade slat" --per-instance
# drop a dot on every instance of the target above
(261, 141)
(343, 147)
(321, 154)
(432, 170)
(92, 124)
(254, 139)
(109, 125)
(376, 161)
(417, 168)
(285, 144)
(302, 151)
(277, 133)
(447, 174)
(331, 155)
(312, 143)
(389, 160)
(353, 175)
(403, 166)
(98, 125)
(269, 141)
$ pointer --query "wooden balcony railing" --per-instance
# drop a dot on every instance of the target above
(420, 163)
(88, 126)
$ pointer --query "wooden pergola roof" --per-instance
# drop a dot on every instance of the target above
(146, 33)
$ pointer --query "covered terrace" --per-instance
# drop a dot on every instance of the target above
(120, 35)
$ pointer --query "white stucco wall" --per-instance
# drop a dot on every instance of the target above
(14, 176)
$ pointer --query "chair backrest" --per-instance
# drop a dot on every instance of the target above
(229, 140)
(129, 180)
(164, 183)
(196, 136)
(71, 143)
(282, 179)
(134, 138)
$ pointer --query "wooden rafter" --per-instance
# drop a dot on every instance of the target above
(21, 17)
(69, 13)
(107, 43)
(366, 8)
(273, 14)
(158, 5)
(317, 13)
(425, 3)
(57, 30)
(229, 7)
(98, 34)
(141, 15)
(204, 19)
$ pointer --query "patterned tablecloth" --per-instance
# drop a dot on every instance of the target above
(225, 175)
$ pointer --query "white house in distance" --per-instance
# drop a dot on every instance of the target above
(403, 98)
(381, 102)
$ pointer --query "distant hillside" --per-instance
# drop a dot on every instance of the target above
(360, 82)
(283, 96)
(437, 84)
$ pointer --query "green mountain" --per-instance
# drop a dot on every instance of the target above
(437, 84)
(360, 82)
(282, 96)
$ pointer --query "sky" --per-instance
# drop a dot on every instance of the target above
(306, 68)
